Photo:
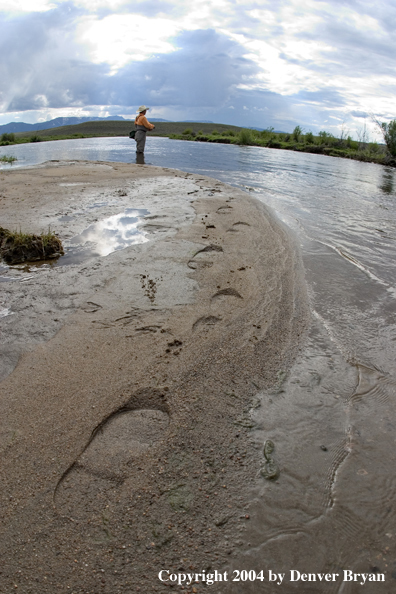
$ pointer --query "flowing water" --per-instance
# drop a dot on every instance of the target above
(332, 418)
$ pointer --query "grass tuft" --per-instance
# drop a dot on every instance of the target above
(17, 247)
(8, 159)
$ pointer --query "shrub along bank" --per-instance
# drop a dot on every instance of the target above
(323, 144)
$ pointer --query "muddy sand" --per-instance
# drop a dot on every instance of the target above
(128, 378)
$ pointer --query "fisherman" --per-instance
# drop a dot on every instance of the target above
(142, 127)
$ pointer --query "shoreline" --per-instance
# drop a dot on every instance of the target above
(313, 149)
(222, 134)
(125, 423)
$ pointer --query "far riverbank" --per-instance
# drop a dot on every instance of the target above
(322, 144)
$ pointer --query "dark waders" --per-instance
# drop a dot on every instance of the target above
(140, 138)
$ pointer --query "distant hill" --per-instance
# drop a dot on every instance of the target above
(72, 121)
(58, 122)
(122, 128)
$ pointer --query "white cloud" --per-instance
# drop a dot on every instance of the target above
(119, 39)
(94, 5)
(319, 56)
(18, 6)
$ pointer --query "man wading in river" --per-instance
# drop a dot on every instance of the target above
(142, 127)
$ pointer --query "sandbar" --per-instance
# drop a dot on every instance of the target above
(128, 379)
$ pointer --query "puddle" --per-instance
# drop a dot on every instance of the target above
(104, 237)
(99, 239)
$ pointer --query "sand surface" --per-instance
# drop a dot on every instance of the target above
(127, 379)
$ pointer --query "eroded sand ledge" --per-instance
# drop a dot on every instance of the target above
(125, 424)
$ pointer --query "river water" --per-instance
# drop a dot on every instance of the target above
(332, 418)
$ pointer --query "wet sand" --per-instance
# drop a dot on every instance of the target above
(129, 380)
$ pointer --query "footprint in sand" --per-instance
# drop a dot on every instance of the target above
(209, 248)
(236, 226)
(224, 210)
(205, 321)
(199, 265)
(229, 292)
(113, 453)
(199, 260)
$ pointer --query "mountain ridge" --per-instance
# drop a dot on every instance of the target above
(14, 127)
(58, 122)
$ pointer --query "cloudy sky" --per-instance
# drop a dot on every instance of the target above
(325, 65)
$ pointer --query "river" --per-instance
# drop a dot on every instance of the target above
(332, 418)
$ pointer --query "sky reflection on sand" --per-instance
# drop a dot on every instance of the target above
(109, 235)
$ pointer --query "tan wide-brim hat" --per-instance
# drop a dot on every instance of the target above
(142, 108)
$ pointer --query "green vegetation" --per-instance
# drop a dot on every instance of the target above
(7, 139)
(309, 138)
(8, 159)
(351, 143)
(245, 136)
(17, 247)
(297, 133)
(268, 133)
(389, 134)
